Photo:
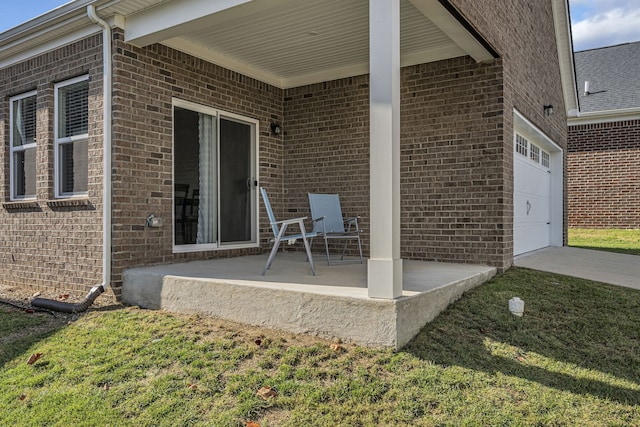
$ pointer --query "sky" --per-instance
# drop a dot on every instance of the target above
(595, 23)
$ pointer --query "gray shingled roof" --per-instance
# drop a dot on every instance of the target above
(613, 74)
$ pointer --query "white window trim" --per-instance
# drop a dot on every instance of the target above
(60, 141)
(13, 149)
(217, 114)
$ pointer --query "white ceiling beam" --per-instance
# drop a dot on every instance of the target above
(443, 19)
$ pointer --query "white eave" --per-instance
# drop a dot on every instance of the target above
(605, 116)
(564, 41)
(285, 43)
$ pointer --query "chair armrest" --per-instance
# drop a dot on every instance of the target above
(318, 219)
(291, 221)
(352, 222)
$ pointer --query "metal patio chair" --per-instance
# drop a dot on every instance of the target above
(279, 233)
(329, 224)
(181, 193)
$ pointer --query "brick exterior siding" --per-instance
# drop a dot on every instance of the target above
(523, 34)
(145, 81)
(49, 244)
(450, 162)
(456, 140)
(604, 175)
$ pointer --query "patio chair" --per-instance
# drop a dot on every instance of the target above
(279, 233)
(181, 192)
(329, 224)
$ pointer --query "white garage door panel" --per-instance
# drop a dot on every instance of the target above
(532, 206)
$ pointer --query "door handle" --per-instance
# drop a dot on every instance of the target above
(251, 182)
(528, 207)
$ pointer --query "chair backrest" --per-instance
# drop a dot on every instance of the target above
(267, 205)
(327, 206)
(180, 193)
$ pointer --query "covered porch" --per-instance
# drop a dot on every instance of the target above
(337, 68)
(333, 304)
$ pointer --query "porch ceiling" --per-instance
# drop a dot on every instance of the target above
(290, 43)
(286, 43)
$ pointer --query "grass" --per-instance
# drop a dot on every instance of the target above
(573, 359)
(610, 239)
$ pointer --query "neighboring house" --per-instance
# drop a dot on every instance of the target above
(603, 159)
(445, 146)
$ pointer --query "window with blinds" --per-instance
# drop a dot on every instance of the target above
(72, 134)
(23, 146)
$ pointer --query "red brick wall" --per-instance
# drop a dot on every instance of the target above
(604, 175)
(47, 244)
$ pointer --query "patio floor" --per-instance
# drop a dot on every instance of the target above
(333, 304)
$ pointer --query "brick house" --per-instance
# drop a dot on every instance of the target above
(454, 124)
(603, 151)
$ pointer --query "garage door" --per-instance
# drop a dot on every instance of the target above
(532, 197)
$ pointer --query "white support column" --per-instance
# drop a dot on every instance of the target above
(384, 269)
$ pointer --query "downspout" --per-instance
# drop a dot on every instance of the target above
(106, 190)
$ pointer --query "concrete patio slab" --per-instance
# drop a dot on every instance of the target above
(601, 266)
(333, 304)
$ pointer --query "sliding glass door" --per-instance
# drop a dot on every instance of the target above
(214, 174)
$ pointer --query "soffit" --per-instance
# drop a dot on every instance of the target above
(282, 42)
(307, 37)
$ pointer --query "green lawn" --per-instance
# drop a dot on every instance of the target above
(573, 359)
(609, 239)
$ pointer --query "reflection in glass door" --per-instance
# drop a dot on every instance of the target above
(236, 181)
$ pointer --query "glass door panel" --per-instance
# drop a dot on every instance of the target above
(236, 181)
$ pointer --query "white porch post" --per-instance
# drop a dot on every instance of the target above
(384, 269)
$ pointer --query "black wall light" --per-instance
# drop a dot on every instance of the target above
(276, 129)
(548, 110)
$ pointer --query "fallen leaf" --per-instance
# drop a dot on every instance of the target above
(106, 387)
(36, 294)
(29, 310)
(252, 424)
(258, 342)
(63, 296)
(34, 358)
(335, 346)
(266, 392)
(192, 387)
(22, 396)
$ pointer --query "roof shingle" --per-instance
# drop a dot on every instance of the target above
(613, 74)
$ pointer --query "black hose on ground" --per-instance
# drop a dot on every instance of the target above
(66, 307)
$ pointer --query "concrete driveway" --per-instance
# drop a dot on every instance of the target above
(601, 266)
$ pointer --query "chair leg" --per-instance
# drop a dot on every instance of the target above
(326, 247)
(344, 249)
(308, 249)
(274, 250)
(360, 249)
